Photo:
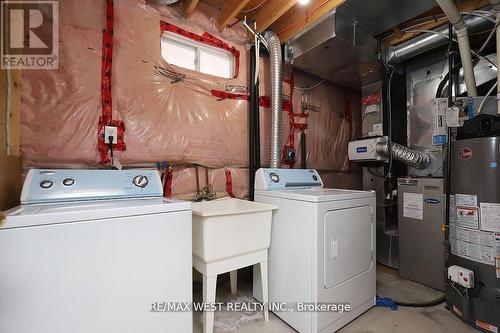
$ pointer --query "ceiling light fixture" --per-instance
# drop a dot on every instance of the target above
(304, 2)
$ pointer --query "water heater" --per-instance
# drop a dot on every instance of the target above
(475, 223)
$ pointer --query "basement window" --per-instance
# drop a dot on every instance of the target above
(187, 53)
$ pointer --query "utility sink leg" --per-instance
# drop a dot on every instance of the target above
(265, 292)
(233, 278)
(209, 286)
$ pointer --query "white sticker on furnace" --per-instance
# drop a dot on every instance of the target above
(377, 129)
(413, 206)
(452, 117)
(372, 108)
(490, 216)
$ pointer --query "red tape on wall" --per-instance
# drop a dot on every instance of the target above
(229, 183)
(106, 119)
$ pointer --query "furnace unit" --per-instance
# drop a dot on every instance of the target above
(421, 216)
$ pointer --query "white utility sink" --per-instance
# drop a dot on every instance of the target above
(229, 234)
(230, 227)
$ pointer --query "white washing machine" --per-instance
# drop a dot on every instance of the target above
(322, 248)
(91, 251)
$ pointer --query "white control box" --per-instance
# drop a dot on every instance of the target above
(462, 276)
(365, 150)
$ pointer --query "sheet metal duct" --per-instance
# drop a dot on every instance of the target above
(376, 17)
(429, 41)
(337, 49)
(342, 47)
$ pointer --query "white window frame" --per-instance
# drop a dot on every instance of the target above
(176, 38)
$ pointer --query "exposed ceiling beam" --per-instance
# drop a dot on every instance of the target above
(272, 11)
(404, 36)
(189, 6)
(397, 31)
(466, 6)
(301, 17)
(229, 11)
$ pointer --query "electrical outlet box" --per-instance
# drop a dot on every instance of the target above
(110, 131)
(462, 276)
(290, 154)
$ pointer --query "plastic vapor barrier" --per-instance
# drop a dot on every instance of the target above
(170, 113)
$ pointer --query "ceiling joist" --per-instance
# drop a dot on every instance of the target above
(271, 12)
(229, 11)
(466, 6)
(189, 6)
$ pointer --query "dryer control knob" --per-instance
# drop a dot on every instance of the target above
(274, 177)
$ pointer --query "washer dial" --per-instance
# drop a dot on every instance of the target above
(140, 181)
(68, 181)
(46, 184)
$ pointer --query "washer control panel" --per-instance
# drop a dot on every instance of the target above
(68, 181)
(281, 179)
(59, 185)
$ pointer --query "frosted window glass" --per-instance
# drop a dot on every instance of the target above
(190, 54)
(179, 54)
(216, 63)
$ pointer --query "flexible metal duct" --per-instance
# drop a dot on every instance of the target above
(410, 157)
(274, 47)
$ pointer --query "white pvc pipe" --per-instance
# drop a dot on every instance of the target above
(451, 12)
(496, 8)
(465, 55)
(483, 102)
(458, 23)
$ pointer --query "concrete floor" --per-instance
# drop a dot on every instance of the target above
(376, 320)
